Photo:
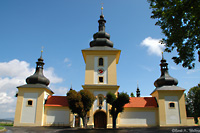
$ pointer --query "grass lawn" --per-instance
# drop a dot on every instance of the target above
(1, 128)
(6, 124)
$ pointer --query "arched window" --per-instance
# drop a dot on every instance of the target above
(100, 61)
(100, 100)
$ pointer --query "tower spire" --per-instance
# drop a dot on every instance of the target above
(138, 90)
(41, 51)
(165, 78)
(101, 38)
(102, 21)
(102, 9)
(38, 77)
(71, 87)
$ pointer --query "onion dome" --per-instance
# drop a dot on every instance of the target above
(101, 38)
(38, 77)
(165, 79)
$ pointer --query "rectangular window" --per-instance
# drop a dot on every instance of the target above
(100, 79)
(30, 102)
(171, 105)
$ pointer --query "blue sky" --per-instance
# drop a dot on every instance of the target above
(64, 28)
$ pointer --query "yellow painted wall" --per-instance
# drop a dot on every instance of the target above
(112, 70)
(39, 107)
(160, 96)
(113, 58)
(190, 121)
(89, 70)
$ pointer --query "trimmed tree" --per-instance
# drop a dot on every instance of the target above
(80, 103)
(179, 21)
(117, 104)
(132, 95)
(193, 102)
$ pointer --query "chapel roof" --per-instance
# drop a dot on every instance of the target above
(142, 102)
(58, 101)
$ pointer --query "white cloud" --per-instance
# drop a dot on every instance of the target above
(174, 68)
(147, 68)
(190, 71)
(15, 68)
(60, 91)
(67, 60)
(12, 74)
(50, 74)
(154, 47)
(4, 98)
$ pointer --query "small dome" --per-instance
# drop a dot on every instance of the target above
(101, 38)
(165, 78)
(38, 77)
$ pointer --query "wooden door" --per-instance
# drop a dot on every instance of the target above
(100, 120)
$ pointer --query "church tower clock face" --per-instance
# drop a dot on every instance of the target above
(100, 71)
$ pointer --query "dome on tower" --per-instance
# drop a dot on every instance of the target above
(101, 38)
(38, 77)
(165, 78)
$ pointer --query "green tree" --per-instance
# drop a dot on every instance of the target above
(180, 23)
(193, 102)
(117, 104)
(132, 95)
(80, 103)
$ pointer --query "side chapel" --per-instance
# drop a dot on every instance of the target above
(36, 105)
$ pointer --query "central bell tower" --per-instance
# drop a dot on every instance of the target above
(100, 73)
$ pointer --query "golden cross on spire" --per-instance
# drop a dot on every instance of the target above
(101, 8)
(42, 50)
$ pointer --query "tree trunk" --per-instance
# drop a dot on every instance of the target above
(84, 119)
(114, 121)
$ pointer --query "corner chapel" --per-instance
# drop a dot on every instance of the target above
(37, 106)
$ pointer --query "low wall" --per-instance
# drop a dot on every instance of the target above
(190, 121)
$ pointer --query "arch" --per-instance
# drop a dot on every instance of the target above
(100, 61)
(100, 119)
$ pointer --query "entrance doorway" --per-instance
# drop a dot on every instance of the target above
(100, 120)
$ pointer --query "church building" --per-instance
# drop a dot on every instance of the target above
(37, 106)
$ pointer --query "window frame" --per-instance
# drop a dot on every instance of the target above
(102, 62)
(98, 100)
(99, 79)
(29, 100)
(171, 106)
